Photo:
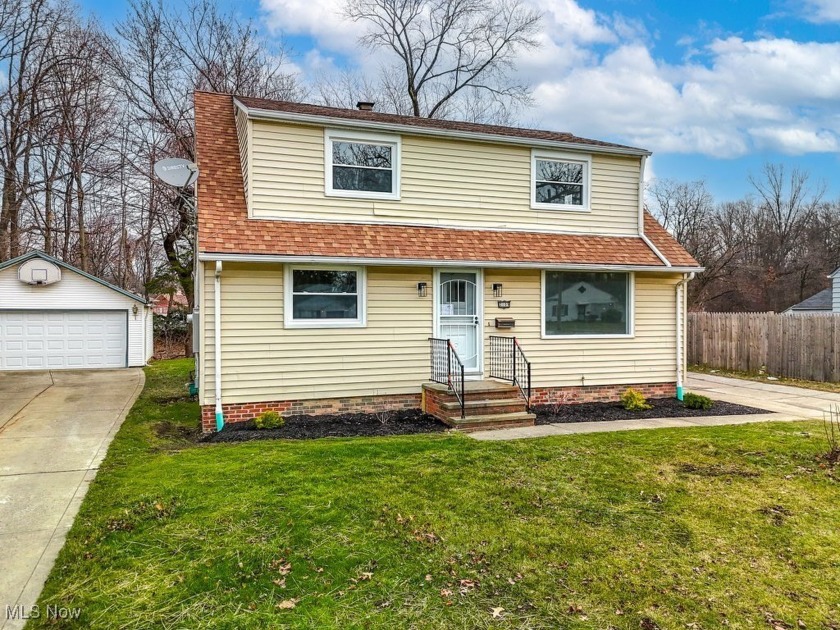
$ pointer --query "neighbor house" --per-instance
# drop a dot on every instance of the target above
(826, 301)
(819, 303)
(164, 303)
(350, 260)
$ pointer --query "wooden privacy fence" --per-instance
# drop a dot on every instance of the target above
(794, 346)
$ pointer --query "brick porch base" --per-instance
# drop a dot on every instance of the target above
(242, 412)
(598, 393)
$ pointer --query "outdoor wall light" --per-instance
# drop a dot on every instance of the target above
(497, 289)
(135, 310)
(421, 289)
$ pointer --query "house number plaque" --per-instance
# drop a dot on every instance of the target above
(503, 303)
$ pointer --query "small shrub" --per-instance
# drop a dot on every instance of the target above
(612, 315)
(634, 400)
(696, 401)
(269, 420)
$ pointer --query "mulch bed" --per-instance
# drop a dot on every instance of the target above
(413, 421)
(405, 422)
(662, 408)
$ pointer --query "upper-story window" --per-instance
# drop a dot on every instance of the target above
(362, 165)
(560, 181)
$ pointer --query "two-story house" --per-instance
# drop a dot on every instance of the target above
(350, 260)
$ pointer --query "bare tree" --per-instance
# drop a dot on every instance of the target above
(28, 29)
(763, 252)
(687, 210)
(450, 54)
(786, 205)
(160, 58)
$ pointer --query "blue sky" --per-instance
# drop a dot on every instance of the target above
(715, 89)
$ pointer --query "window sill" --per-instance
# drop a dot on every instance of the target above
(560, 207)
(325, 324)
(349, 194)
(612, 336)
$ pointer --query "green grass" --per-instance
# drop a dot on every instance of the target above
(732, 526)
(762, 378)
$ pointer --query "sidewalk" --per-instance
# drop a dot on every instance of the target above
(783, 402)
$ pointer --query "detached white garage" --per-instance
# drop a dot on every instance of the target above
(54, 316)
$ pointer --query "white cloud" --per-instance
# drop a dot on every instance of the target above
(823, 10)
(567, 20)
(595, 75)
(650, 173)
(796, 140)
(322, 19)
(764, 94)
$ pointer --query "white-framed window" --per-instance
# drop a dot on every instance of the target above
(318, 296)
(361, 165)
(587, 304)
(560, 181)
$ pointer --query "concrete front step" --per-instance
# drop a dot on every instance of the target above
(491, 421)
(492, 394)
(488, 404)
(485, 387)
(485, 407)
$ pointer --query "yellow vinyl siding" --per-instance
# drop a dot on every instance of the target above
(443, 182)
(647, 357)
(204, 306)
(262, 361)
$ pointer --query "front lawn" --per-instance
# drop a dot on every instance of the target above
(674, 528)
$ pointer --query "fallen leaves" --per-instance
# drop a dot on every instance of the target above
(281, 566)
(428, 537)
(496, 613)
(465, 586)
(287, 604)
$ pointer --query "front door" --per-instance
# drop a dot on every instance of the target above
(459, 302)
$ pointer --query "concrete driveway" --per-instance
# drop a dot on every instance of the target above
(55, 428)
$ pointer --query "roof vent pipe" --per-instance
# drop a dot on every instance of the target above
(365, 106)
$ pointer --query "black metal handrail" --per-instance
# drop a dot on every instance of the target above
(509, 363)
(447, 368)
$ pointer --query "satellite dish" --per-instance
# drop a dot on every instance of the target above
(177, 172)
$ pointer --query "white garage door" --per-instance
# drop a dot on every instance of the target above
(54, 340)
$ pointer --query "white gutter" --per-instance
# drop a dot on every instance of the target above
(419, 262)
(680, 297)
(217, 343)
(656, 251)
(414, 130)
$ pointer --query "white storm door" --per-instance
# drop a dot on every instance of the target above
(459, 316)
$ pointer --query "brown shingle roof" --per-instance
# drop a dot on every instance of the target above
(425, 123)
(667, 244)
(224, 226)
